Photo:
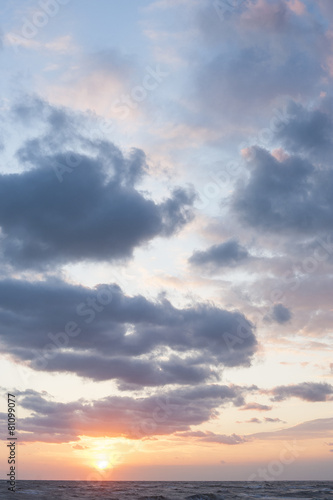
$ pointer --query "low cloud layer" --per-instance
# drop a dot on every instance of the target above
(318, 428)
(166, 413)
(212, 437)
(308, 391)
(104, 334)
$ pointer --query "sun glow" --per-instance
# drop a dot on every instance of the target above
(102, 464)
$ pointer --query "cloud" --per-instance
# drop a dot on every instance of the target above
(73, 206)
(104, 334)
(308, 131)
(254, 420)
(62, 45)
(308, 391)
(235, 70)
(31, 110)
(169, 411)
(227, 254)
(79, 447)
(263, 52)
(165, 413)
(311, 429)
(125, 93)
(279, 314)
(256, 406)
(211, 437)
(282, 197)
(268, 419)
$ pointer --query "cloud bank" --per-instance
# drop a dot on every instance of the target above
(104, 334)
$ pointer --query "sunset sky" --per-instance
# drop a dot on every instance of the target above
(166, 238)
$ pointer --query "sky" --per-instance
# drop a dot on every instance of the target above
(166, 238)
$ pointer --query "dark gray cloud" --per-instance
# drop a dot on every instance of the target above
(64, 131)
(95, 213)
(268, 419)
(308, 391)
(32, 109)
(283, 196)
(308, 131)
(280, 314)
(164, 413)
(227, 254)
(114, 336)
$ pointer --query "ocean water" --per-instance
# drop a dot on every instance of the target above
(162, 490)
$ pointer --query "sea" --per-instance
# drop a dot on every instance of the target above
(169, 490)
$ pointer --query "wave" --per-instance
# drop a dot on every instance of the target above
(154, 497)
(205, 496)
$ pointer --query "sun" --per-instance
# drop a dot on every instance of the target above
(102, 464)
